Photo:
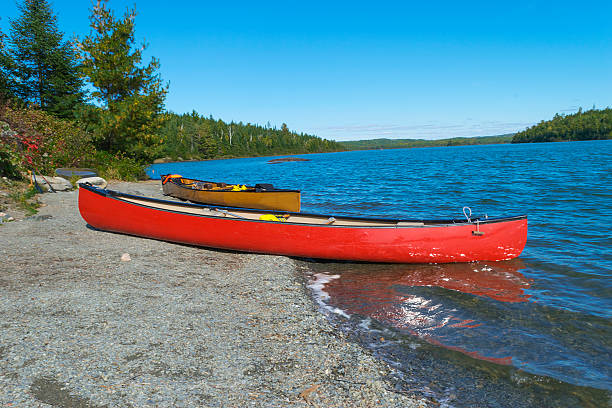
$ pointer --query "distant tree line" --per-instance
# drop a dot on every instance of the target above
(588, 125)
(407, 143)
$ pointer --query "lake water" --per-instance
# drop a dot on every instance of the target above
(534, 331)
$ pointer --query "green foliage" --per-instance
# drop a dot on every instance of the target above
(41, 142)
(26, 200)
(590, 125)
(10, 160)
(191, 136)
(118, 167)
(43, 67)
(6, 66)
(406, 143)
(7, 166)
(131, 96)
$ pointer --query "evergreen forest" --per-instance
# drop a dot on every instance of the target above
(589, 125)
(191, 136)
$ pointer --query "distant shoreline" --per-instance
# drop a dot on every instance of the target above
(434, 143)
(368, 148)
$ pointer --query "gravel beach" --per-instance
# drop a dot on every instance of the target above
(174, 325)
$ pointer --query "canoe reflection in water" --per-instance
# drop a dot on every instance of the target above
(434, 302)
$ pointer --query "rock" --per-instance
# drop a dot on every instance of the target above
(96, 181)
(57, 183)
(287, 159)
(125, 257)
(162, 160)
(60, 184)
(40, 217)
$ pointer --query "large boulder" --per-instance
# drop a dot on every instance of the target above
(49, 183)
(96, 181)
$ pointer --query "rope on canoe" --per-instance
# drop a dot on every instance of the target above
(467, 216)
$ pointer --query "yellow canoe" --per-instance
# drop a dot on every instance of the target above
(260, 196)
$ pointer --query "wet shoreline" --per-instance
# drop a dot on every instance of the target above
(397, 312)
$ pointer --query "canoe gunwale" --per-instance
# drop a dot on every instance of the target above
(429, 223)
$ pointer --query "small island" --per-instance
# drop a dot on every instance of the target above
(287, 159)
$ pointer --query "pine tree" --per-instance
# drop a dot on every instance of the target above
(44, 66)
(6, 64)
(131, 96)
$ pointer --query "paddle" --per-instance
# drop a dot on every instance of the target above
(229, 213)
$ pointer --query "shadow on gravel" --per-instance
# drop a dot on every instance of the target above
(50, 391)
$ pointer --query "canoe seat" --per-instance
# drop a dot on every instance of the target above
(409, 224)
(202, 186)
(262, 187)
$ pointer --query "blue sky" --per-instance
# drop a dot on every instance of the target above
(363, 70)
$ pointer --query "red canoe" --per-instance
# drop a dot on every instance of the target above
(305, 235)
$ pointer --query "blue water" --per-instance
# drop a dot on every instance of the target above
(533, 331)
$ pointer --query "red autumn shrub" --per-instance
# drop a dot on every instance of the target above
(44, 142)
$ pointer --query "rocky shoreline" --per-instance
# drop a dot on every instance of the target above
(169, 325)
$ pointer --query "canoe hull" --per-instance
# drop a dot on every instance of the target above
(429, 244)
(279, 200)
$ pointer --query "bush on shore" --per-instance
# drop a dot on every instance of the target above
(9, 159)
(37, 141)
(33, 140)
(119, 167)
